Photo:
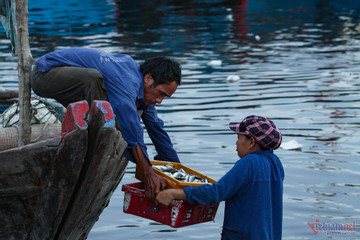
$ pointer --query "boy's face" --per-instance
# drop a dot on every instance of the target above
(243, 145)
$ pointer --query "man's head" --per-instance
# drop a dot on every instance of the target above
(256, 130)
(162, 76)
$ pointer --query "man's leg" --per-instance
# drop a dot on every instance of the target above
(69, 84)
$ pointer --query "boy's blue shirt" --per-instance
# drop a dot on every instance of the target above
(252, 191)
(124, 86)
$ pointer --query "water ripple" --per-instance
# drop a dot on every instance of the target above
(296, 64)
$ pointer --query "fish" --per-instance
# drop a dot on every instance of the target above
(179, 174)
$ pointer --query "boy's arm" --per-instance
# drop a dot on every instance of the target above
(165, 197)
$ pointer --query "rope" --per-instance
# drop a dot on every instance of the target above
(42, 112)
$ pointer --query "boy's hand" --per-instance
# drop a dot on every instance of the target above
(165, 197)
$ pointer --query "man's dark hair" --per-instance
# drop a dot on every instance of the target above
(162, 69)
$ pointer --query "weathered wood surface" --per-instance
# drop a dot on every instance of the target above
(64, 176)
(24, 60)
(102, 172)
(22, 186)
(36, 183)
(9, 136)
(7, 97)
(57, 188)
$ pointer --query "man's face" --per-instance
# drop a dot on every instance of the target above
(154, 95)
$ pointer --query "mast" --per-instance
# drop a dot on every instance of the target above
(24, 60)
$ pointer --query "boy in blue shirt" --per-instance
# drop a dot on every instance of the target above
(252, 189)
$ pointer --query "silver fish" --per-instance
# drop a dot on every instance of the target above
(179, 174)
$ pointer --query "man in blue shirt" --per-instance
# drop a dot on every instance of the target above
(77, 74)
(252, 189)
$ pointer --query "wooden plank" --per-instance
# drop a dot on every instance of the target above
(75, 117)
(103, 169)
(69, 162)
(7, 94)
(64, 176)
(24, 174)
(36, 183)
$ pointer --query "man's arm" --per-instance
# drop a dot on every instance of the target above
(153, 183)
(161, 140)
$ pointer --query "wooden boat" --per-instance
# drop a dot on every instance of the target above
(7, 98)
(57, 188)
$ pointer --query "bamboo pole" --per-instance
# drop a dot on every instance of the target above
(24, 70)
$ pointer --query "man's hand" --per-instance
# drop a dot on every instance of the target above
(153, 183)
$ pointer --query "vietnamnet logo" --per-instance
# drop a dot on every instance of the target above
(330, 228)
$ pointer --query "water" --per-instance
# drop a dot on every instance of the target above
(296, 62)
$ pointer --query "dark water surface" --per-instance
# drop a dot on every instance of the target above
(296, 62)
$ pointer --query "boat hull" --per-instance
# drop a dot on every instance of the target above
(58, 187)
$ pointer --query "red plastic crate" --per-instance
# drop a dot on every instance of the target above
(178, 214)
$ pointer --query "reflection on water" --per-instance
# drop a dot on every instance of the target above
(296, 62)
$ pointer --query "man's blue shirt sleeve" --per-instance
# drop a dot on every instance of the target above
(159, 137)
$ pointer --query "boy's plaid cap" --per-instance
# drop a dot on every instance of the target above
(261, 129)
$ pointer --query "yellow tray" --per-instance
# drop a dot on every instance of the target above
(172, 182)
